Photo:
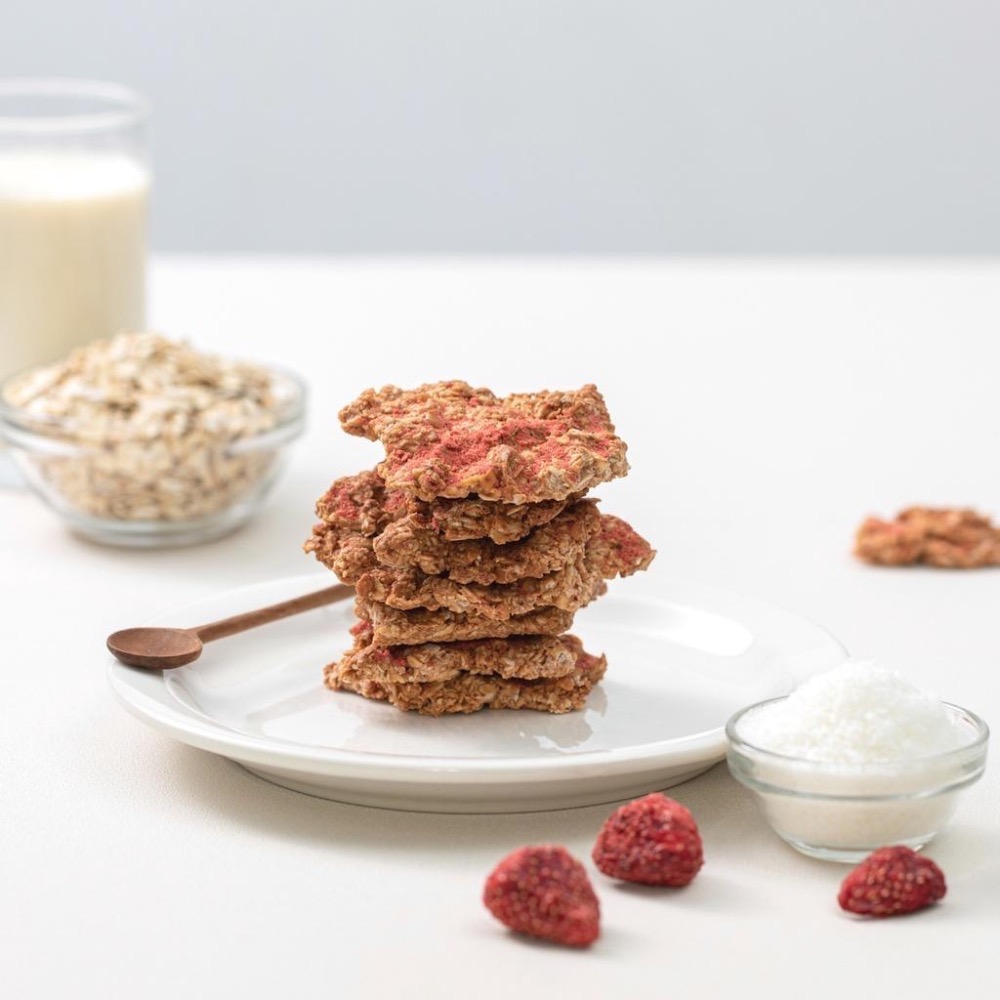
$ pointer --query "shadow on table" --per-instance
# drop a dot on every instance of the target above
(727, 817)
(222, 787)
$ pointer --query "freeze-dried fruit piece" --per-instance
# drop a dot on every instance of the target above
(447, 439)
(653, 840)
(891, 881)
(544, 892)
(948, 537)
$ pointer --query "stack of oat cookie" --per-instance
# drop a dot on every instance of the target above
(472, 546)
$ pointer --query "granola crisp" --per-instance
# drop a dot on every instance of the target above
(569, 588)
(390, 626)
(361, 504)
(448, 439)
(469, 692)
(405, 545)
(472, 546)
(527, 657)
(947, 537)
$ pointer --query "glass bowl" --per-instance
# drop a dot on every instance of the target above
(844, 811)
(144, 491)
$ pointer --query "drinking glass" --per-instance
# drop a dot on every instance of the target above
(74, 196)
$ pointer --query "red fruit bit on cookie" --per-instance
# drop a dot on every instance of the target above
(544, 891)
(653, 840)
(891, 881)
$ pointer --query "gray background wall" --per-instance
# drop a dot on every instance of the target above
(551, 125)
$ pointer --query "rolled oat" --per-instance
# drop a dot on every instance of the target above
(149, 428)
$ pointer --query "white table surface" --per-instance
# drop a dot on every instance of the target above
(768, 408)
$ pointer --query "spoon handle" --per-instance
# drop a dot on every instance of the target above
(251, 619)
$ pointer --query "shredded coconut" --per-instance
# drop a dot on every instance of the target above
(858, 713)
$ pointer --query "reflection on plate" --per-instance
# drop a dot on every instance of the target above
(681, 660)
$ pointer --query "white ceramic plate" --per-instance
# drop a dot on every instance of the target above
(681, 660)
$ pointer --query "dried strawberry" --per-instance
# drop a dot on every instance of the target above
(544, 891)
(653, 840)
(893, 880)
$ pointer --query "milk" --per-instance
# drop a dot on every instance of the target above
(72, 251)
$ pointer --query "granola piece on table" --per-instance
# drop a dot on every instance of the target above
(946, 537)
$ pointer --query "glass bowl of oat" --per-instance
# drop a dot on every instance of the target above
(143, 441)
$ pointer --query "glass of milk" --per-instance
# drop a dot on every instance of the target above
(74, 196)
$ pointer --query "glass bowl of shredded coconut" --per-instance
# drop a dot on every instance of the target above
(140, 440)
(855, 759)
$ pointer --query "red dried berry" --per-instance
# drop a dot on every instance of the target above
(893, 880)
(544, 891)
(653, 840)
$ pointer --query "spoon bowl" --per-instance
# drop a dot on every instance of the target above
(155, 648)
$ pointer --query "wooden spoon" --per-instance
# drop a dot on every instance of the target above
(163, 648)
